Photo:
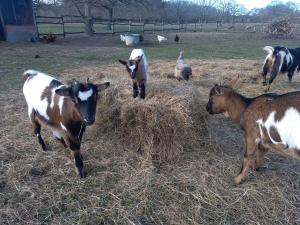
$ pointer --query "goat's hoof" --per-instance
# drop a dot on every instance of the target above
(237, 180)
(82, 174)
(44, 147)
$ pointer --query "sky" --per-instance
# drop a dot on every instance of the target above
(250, 4)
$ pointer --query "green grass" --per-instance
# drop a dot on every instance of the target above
(200, 45)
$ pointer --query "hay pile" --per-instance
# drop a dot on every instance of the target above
(281, 28)
(157, 127)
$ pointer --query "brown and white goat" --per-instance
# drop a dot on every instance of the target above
(65, 109)
(270, 121)
(137, 67)
(280, 60)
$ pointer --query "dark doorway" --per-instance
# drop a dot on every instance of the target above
(2, 33)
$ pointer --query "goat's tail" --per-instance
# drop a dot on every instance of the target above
(28, 74)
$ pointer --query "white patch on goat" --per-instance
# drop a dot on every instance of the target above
(52, 99)
(63, 127)
(42, 110)
(60, 104)
(33, 89)
(288, 128)
(260, 124)
(84, 95)
(257, 141)
(281, 54)
(289, 58)
(132, 68)
(57, 134)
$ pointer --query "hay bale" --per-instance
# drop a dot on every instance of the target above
(158, 127)
(282, 28)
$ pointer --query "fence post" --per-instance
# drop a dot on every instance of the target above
(113, 27)
(153, 31)
(129, 26)
(162, 26)
(144, 27)
(178, 26)
(63, 26)
(185, 29)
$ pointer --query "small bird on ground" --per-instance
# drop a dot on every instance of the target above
(161, 38)
(182, 70)
(176, 39)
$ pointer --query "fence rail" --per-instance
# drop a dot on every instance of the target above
(69, 24)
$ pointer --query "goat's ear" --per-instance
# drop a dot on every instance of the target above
(123, 62)
(103, 86)
(64, 91)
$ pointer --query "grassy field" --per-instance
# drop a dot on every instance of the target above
(124, 185)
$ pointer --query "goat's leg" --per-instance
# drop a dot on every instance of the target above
(59, 138)
(37, 129)
(135, 89)
(142, 90)
(75, 147)
(251, 148)
(79, 163)
(260, 157)
(291, 72)
(37, 132)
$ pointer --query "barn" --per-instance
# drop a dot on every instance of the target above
(17, 22)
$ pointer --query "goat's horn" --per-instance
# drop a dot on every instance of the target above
(88, 80)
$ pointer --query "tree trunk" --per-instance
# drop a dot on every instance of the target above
(111, 13)
(88, 20)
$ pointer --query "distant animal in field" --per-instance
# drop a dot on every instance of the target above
(182, 69)
(37, 56)
(280, 60)
(137, 67)
(270, 121)
(49, 38)
(176, 39)
(161, 39)
(64, 108)
(122, 37)
(141, 38)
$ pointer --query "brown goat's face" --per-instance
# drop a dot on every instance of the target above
(217, 99)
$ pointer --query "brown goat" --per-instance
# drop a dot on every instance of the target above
(270, 121)
(65, 109)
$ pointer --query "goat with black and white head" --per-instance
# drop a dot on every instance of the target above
(137, 67)
(280, 60)
(64, 108)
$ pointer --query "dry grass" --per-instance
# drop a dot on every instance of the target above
(200, 155)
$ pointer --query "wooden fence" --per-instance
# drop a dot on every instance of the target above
(68, 24)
